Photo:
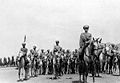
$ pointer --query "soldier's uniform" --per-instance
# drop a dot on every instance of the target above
(24, 52)
(57, 48)
(42, 54)
(85, 39)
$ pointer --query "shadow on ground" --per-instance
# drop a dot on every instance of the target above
(77, 81)
(97, 76)
(115, 75)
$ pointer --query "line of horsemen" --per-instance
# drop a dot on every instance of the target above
(60, 61)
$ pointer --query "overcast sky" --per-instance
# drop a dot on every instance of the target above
(44, 21)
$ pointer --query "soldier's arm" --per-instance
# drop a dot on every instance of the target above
(20, 50)
(89, 39)
(80, 41)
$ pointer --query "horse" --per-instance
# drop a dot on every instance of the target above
(87, 60)
(115, 61)
(21, 65)
(31, 63)
(118, 62)
(103, 60)
(56, 65)
(35, 64)
(100, 55)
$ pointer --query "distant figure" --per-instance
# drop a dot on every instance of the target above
(35, 60)
(56, 59)
(57, 47)
(23, 62)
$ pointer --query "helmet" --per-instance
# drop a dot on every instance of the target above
(86, 27)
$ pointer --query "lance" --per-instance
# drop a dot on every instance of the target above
(25, 38)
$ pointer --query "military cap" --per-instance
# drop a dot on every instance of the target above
(42, 49)
(57, 41)
(86, 27)
(34, 46)
(23, 43)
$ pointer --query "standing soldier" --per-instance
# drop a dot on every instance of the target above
(85, 39)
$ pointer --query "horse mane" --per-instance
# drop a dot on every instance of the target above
(91, 49)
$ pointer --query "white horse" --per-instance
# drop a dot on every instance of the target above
(21, 65)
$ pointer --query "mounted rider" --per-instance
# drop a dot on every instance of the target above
(23, 51)
(35, 52)
(85, 39)
(42, 54)
(57, 49)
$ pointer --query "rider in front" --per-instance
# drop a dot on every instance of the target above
(24, 50)
(85, 39)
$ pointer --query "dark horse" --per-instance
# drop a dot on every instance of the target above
(87, 62)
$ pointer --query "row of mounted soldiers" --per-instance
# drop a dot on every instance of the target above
(57, 62)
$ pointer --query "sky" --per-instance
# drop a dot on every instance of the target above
(45, 21)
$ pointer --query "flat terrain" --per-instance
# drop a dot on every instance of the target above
(9, 75)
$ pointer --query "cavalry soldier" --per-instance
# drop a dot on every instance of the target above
(57, 50)
(57, 47)
(24, 51)
(85, 39)
(35, 58)
(35, 53)
(42, 54)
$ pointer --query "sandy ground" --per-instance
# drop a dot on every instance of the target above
(9, 75)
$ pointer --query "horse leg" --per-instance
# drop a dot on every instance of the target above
(80, 77)
(98, 70)
(31, 70)
(19, 71)
(93, 77)
(84, 78)
(119, 68)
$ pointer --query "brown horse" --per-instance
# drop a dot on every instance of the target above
(87, 60)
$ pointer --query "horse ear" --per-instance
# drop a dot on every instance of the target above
(97, 39)
(93, 38)
(100, 40)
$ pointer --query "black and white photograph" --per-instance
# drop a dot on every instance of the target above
(59, 41)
